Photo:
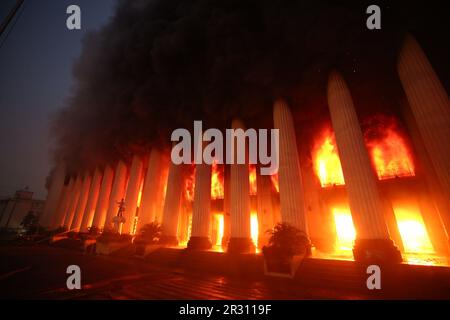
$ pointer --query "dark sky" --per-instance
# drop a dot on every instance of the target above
(35, 78)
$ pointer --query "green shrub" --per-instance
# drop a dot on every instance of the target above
(149, 233)
(286, 241)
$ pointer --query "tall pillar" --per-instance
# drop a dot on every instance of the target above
(117, 193)
(184, 223)
(94, 190)
(81, 205)
(372, 235)
(433, 204)
(171, 212)
(264, 206)
(226, 206)
(75, 194)
(132, 195)
(54, 195)
(433, 222)
(289, 175)
(201, 214)
(147, 211)
(430, 106)
(103, 198)
(62, 206)
(240, 240)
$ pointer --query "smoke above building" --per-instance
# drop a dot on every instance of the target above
(159, 65)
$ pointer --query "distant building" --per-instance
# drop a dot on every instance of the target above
(14, 209)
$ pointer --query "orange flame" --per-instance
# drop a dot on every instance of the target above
(164, 183)
(391, 157)
(139, 199)
(217, 182)
(416, 242)
(252, 179)
(254, 231)
(412, 228)
(389, 151)
(275, 182)
(345, 231)
(327, 164)
(219, 228)
(189, 185)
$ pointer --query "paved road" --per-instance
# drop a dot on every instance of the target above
(40, 273)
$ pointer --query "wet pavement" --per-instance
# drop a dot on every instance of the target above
(40, 273)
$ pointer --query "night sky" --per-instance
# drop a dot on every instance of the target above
(35, 78)
(232, 43)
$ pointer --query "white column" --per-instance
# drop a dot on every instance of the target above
(58, 219)
(73, 202)
(171, 212)
(89, 211)
(81, 205)
(201, 214)
(147, 211)
(264, 205)
(430, 106)
(226, 206)
(132, 195)
(103, 198)
(240, 239)
(372, 235)
(289, 175)
(175, 184)
(54, 195)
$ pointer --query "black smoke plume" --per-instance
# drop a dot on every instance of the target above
(161, 64)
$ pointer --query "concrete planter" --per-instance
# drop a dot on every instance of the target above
(282, 268)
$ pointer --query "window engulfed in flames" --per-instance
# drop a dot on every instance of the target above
(326, 160)
(218, 227)
(345, 231)
(412, 228)
(389, 152)
(217, 182)
(189, 186)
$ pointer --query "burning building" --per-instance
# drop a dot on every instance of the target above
(360, 190)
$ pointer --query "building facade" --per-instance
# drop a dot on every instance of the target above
(14, 209)
(349, 194)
